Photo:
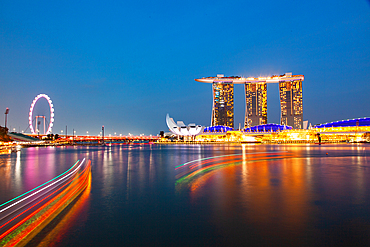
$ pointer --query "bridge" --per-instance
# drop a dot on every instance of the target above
(108, 139)
(72, 139)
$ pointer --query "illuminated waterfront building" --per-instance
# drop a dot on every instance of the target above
(351, 130)
(291, 103)
(181, 129)
(223, 104)
(267, 128)
(217, 129)
(255, 104)
(290, 87)
(356, 122)
(223, 101)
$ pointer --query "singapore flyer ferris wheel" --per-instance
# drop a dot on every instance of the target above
(36, 121)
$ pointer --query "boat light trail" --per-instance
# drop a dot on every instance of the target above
(194, 170)
(40, 185)
(19, 224)
(2, 210)
(221, 156)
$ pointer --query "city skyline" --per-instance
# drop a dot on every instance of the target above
(126, 65)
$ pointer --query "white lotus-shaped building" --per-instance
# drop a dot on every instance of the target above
(181, 129)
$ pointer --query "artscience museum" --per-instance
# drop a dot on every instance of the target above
(181, 129)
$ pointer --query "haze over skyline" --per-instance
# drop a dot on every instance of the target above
(125, 65)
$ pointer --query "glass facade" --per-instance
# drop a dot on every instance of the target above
(346, 123)
(268, 128)
(217, 129)
(223, 104)
(291, 103)
(256, 104)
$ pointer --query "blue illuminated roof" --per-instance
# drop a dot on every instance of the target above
(268, 128)
(346, 123)
(218, 128)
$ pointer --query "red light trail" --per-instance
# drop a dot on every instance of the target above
(190, 173)
(30, 212)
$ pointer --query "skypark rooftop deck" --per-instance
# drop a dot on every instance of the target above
(242, 80)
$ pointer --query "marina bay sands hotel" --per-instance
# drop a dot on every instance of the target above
(290, 88)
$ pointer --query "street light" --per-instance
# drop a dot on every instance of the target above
(6, 115)
(102, 130)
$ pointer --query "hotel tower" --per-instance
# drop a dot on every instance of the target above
(223, 104)
(291, 103)
(255, 104)
(290, 88)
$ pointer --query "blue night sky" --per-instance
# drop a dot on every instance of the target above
(125, 64)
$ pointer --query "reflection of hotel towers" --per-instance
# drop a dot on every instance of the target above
(290, 87)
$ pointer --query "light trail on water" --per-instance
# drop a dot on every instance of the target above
(197, 169)
(33, 214)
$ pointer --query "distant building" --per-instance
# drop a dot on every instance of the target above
(291, 103)
(290, 87)
(255, 104)
(356, 122)
(268, 128)
(223, 104)
(217, 129)
(181, 129)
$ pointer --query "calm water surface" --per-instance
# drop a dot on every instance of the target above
(257, 195)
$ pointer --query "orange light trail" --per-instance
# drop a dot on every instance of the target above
(70, 217)
(68, 194)
(54, 203)
(191, 179)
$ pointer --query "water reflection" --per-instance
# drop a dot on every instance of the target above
(5, 174)
(225, 194)
(285, 197)
(74, 216)
(17, 172)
